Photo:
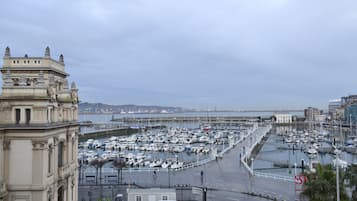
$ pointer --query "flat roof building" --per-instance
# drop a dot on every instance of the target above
(151, 194)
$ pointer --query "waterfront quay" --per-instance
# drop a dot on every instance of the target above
(226, 178)
(181, 119)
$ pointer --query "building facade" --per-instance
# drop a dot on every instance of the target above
(333, 106)
(312, 114)
(351, 113)
(283, 118)
(152, 194)
(38, 130)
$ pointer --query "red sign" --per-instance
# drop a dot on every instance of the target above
(300, 179)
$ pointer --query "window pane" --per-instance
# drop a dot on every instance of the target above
(17, 115)
(28, 116)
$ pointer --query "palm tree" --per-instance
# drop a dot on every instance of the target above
(119, 164)
(321, 186)
(351, 176)
(98, 164)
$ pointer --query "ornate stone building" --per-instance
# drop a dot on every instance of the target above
(38, 130)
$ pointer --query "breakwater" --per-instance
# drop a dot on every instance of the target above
(97, 134)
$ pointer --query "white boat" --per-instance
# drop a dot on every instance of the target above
(203, 139)
(316, 146)
(218, 135)
(156, 163)
(343, 164)
(288, 140)
(179, 149)
(89, 143)
(166, 148)
(174, 140)
(188, 140)
(206, 150)
(311, 150)
(166, 164)
(176, 165)
(96, 144)
(106, 155)
(113, 138)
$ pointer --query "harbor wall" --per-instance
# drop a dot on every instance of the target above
(113, 132)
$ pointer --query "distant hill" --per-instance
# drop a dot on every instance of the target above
(101, 108)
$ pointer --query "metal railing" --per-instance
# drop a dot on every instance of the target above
(274, 176)
(262, 133)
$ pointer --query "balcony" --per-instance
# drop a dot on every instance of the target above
(64, 172)
(24, 91)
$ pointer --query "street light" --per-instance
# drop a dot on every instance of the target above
(119, 197)
(337, 152)
(252, 161)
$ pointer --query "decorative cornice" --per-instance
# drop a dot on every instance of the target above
(39, 145)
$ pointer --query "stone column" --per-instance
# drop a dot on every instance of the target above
(38, 148)
(6, 151)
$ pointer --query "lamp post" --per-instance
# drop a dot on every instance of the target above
(337, 174)
(168, 172)
(351, 123)
(252, 161)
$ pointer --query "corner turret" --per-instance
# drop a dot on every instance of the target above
(47, 52)
(7, 52)
(61, 59)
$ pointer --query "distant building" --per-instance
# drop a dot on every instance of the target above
(38, 130)
(340, 113)
(312, 114)
(151, 194)
(283, 118)
(344, 109)
(333, 105)
(351, 113)
(347, 100)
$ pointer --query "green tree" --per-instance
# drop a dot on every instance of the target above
(351, 176)
(105, 199)
(321, 186)
(119, 164)
(98, 163)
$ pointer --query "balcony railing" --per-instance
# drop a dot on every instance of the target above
(24, 91)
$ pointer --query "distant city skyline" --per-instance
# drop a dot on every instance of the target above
(228, 54)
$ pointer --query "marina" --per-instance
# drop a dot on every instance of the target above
(173, 148)
(188, 142)
(181, 149)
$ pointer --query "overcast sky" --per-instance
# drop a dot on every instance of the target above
(228, 54)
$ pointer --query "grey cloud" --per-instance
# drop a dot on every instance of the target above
(229, 54)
